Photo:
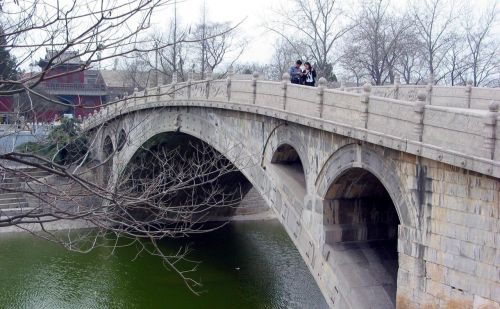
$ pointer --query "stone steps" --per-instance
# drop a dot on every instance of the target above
(8, 178)
(12, 202)
(7, 195)
(20, 204)
(14, 211)
(8, 200)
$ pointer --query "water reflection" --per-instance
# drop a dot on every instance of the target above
(244, 265)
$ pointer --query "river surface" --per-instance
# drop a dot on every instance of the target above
(244, 265)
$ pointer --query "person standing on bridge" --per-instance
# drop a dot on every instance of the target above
(309, 76)
(296, 72)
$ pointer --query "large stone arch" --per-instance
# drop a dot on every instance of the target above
(174, 121)
(382, 167)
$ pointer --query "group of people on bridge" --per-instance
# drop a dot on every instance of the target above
(305, 75)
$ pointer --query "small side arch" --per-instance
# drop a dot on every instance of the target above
(121, 139)
(382, 167)
(364, 202)
(107, 159)
(286, 164)
(287, 138)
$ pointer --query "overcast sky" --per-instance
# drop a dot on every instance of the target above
(256, 13)
(253, 12)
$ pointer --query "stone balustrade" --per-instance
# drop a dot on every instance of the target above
(457, 125)
(457, 96)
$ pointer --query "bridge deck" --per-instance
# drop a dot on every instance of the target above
(450, 133)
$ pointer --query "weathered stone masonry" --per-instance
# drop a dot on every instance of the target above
(354, 178)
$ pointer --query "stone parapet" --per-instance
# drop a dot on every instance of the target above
(451, 135)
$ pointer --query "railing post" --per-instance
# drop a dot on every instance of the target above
(173, 85)
(321, 95)
(284, 85)
(164, 79)
(189, 84)
(255, 76)
(229, 79)
(342, 85)
(210, 77)
(430, 84)
(145, 95)
(468, 93)
(490, 124)
(135, 95)
(397, 83)
(419, 109)
(365, 99)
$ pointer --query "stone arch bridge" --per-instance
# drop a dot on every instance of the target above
(390, 194)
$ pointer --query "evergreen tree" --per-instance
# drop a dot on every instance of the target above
(8, 69)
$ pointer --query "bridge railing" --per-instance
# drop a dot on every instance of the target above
(344, 107)
(392, 117)
(416, 122)
(456, 96)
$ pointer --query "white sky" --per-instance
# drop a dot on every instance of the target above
(253, 12)
(257, 12)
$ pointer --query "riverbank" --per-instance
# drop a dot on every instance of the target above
(82, 224)
(51, 226)
(262, 216)
(251, 208)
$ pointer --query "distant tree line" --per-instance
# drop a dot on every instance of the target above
(450, 42)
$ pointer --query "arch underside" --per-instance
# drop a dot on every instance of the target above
(208, 187)
(364, 202)
(362, 156)
(361, 226)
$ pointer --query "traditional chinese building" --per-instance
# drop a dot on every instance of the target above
(84, 90)
(6, 109)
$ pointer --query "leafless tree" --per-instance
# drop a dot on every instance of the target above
(206, 47)
(163, 193)
(139, 206)
(434, 20)
(374, 44)
(456, 62)
(316, 25)
(137, 71)
(411, 64)
(174, 57)
(94, 31)
(354, 70)
(285, 54)
(483, 49)
(215, 49)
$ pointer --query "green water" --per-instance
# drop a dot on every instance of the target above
(38, 274)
